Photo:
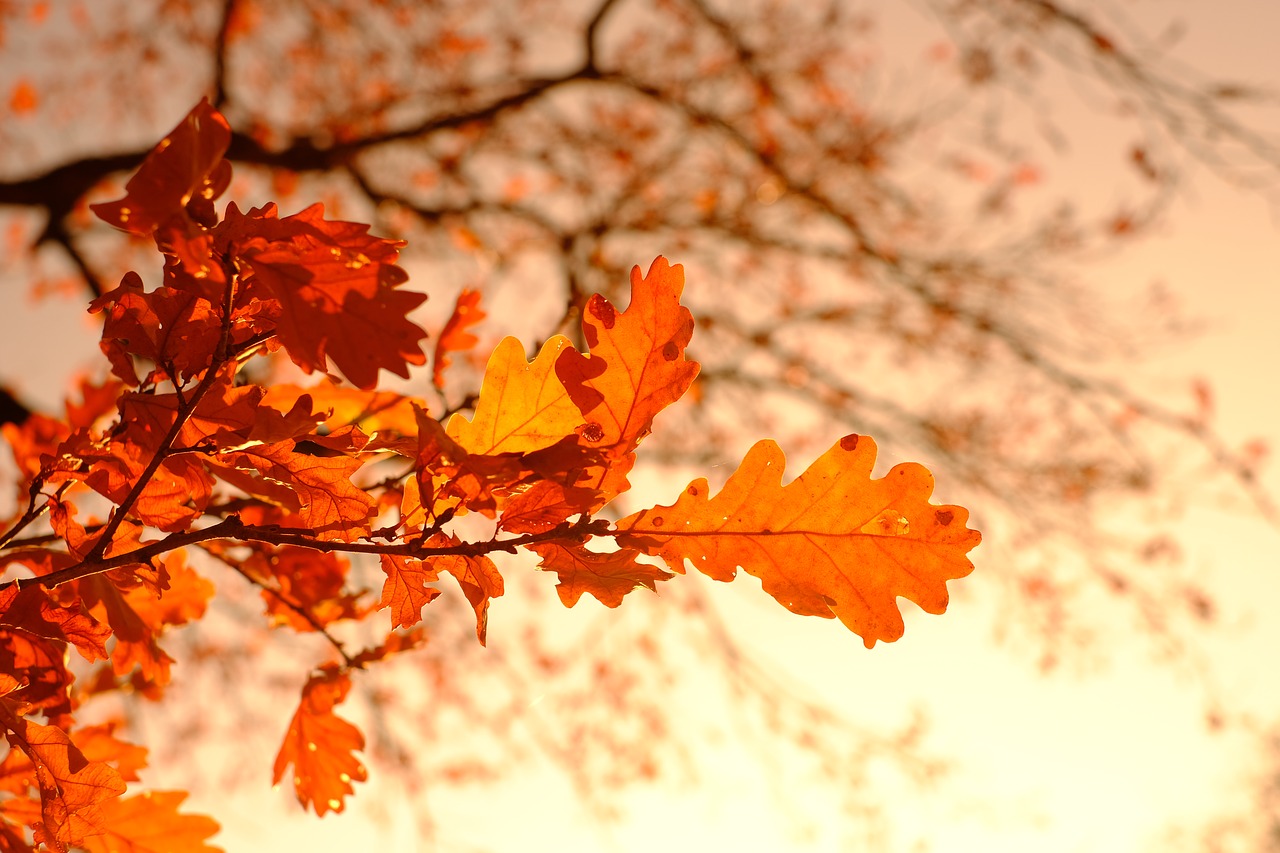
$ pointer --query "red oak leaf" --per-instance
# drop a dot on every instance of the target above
(170, 328)
(608, 577)
(31, 610)
(636, 368)
(225, 415)
(183, 174)
(38, 667)
(319, 744)
(174, 496)
(336, 285)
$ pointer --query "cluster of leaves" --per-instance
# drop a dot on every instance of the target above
(780, 148)
(179, 450)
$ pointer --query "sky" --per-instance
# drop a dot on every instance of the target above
(1102, 761)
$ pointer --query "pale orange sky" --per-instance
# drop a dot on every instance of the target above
(1099, 762)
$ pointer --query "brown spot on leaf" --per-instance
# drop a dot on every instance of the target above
(693, 491)
(670, 351)
(591, 431)
(657, 521)
(944, 516)
(600, 308)
(849, 442)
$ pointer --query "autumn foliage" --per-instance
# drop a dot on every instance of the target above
(180, 458)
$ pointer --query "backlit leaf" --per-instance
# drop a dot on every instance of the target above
(150, 823)
(608, 577)
(405, 590)
(832, 543)
(454, 337)
(480, 582)
(71, 787)
(636, 369)
(523, 406)
(319, 744)
(327, 500)
(337, 288)
(186, 171)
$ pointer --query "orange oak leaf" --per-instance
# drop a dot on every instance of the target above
(327, 500)
(136, 641)
(185, 172)
(71, 787)
(96, 401)
(636, 369)
(405, 590)
(608, 577)
(336, 285)
(184, 600)
(523, 406)
(833, 542)
(480, 582)
(32, 611)
(28, 442)
(447, 477)
(319, 744)
(174, 496)
(99, 743)
(150, 823)
(41, 679)
(454, 337)
(544, 505)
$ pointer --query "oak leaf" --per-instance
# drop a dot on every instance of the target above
(150, 823)
(168, 327)
(831, 543)
(304, 579)
(544, 505)
(607, 576)
(32, 611)
(72, 788)
(454, 337)
(480, 582)
(136, 641)
(184, 173)
(636, 369)
(319, 744)
(405, 590)
(523, 406)
(336, 285)
(326, 499)
(395, 643)
(372, 411)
